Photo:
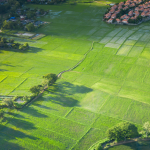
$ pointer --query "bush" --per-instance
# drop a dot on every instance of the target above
(50, 79)
(30, 27)
(122, 131)
(35, 90)
(8, 102)
(26, 98)
(18, 105)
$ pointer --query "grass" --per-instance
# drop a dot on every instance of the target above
(110, 86)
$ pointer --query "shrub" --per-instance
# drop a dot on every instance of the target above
(8, 102)
(122, 131)
(35, 90)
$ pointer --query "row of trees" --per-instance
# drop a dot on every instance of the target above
(49, 80)
(12, 25)
(5, 43)
(8, 6)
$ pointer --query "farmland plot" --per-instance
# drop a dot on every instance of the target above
(111, 85)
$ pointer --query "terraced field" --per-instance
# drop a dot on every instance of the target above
(110, 86)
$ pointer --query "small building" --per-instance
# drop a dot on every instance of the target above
(121, 3)
(118, 20)
(130, 13)
(108, 15)
(132, 5)
(143, 14)
(125, 8)
(120, 7)
(125, 21)
(112, 11)
(136, 13)
(110, 20)
(113, 16)
(148, 14)
(22, 18)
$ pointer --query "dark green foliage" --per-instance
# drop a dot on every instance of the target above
(8, 102)
(11, 41)
(50, 78)
(122, 131)
(12, 25)
(1, 113)
(35, 90)
(30, 27)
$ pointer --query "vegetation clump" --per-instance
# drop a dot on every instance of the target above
(5, 43)
(122, 131)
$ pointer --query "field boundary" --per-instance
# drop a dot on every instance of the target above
(59, 75)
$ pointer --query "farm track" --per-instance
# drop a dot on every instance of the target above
(59, 75)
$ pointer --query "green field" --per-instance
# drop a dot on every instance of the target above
(111, 85)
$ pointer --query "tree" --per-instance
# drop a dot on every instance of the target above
(11, 41)
(4, 40)
(30, 14)
(30, 27)
(17, 4)
(50, 78)
(1, 113)
(26, 45)
(8, 102)
(36, 89)
(146, 128)
(122, 131)
(21, 47)
(26, 98)
(1, 44)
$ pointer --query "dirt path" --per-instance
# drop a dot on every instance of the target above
(59, 75)
(130, 141)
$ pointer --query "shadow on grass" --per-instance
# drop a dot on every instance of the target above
(22, 124)
(64, 95)
(7, 134)
(16, 115)
(67, 87)
(30, 50)
(3, 70)
(33, 112)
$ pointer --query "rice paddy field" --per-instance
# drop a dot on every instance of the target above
(111, 85)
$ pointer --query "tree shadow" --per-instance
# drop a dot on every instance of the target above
(3, 70)
(32, 50)
(64, 100)
(65, 94)
(7, 134)
(16, 115)
(5, 145)
(33, 112)
(22, 124)
(42, 106)
(29, 50)
(72, 88)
